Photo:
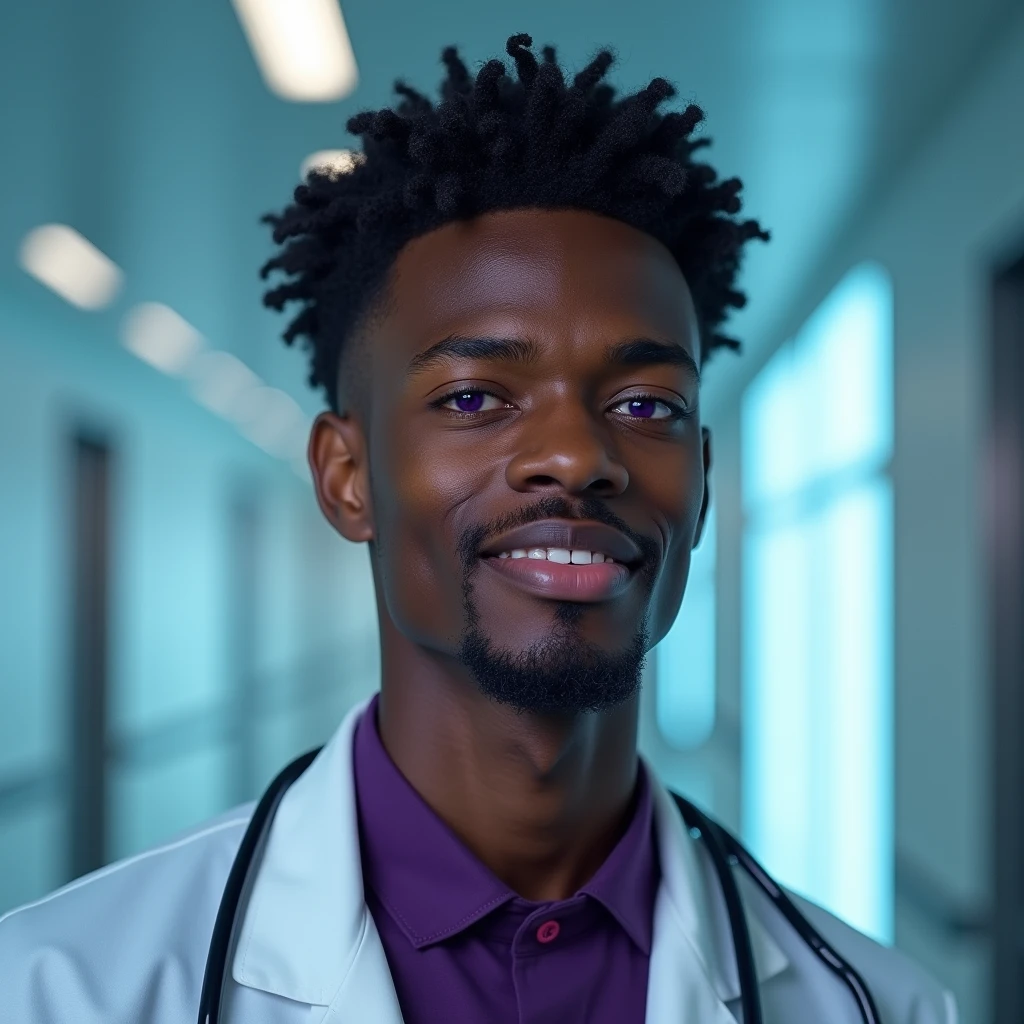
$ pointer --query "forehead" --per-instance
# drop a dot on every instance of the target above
(569, 274)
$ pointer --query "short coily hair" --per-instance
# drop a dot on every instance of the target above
(494, 142)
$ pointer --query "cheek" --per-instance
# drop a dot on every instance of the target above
(416, 497)
(668, 593)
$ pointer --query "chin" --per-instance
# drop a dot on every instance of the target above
(565, 673)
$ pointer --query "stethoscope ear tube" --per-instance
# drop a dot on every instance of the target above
(807, 932)
(750, 993)
(231, 899)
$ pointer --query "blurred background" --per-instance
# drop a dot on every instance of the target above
(843, 684)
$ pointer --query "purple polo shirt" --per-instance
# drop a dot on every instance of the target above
(465, 949)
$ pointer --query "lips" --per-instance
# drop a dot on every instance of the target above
(557, 581)
(573, 536)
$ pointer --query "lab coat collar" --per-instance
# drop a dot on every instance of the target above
(306, 924)
(691, 907)
(307, 933)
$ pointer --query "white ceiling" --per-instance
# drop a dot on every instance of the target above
(148, 127)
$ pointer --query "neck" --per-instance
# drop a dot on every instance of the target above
(541, 801)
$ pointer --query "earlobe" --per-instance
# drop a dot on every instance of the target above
(337, 461)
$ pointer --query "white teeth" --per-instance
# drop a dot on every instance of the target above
(561, 555)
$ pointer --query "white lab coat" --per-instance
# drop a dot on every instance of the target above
(128, 944)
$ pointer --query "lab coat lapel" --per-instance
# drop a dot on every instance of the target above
(307, 934)
(692, 967)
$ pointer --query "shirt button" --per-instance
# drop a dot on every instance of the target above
(548, 931)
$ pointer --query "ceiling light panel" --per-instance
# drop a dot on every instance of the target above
(301, 46)
(70, 265)
(158, 335)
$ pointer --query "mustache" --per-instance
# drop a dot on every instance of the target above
(551, 507)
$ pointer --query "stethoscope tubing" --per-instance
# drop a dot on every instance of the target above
(724, 849)
(721, 839)
(231, 899)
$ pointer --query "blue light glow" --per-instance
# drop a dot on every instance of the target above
(818, 689)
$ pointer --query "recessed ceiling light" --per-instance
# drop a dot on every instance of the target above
(301, 46)
(71, 265)
(333, 161)
(158, 335)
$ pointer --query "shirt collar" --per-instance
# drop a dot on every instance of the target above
(627, 882)
(432, 885)
(435, 887)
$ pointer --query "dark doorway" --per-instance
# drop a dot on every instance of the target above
(243, 580)
(1006, 568)
(90, 640)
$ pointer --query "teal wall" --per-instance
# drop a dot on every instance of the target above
(179, 738)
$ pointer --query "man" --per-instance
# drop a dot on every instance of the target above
(507, 302)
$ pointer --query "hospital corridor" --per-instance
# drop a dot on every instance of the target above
(843, 685)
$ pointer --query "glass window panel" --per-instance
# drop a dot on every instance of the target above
(856, 677)
(684, 661)
(818, 691)
(778, 767)
(774, 458)
(846, 348)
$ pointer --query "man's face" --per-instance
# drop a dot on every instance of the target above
(533, 388)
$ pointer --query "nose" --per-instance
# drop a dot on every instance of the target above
(566, 451)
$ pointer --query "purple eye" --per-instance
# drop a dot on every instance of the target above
(469, 401)
(647, 407)
(472, 400)
(643, 407)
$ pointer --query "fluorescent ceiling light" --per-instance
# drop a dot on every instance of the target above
(273, 420)
(158, 335)
(221, 382)
(333, 161)
(301, 46)
(71, 265)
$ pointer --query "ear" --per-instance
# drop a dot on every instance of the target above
(706, 447)
(337, 459)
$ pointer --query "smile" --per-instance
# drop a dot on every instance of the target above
(565, 560)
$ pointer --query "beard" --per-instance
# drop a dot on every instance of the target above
(564, 674)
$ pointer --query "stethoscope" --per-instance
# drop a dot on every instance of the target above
(725, 851)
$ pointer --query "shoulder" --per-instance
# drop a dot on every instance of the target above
(125, 943)
(904, 992)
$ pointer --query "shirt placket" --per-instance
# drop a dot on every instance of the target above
(549, 965)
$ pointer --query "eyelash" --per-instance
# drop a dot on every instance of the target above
(677, 411)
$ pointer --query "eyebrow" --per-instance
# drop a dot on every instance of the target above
(507, 350)
(649, 352)
(634, 352)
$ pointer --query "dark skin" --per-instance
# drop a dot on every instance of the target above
(540, 799)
